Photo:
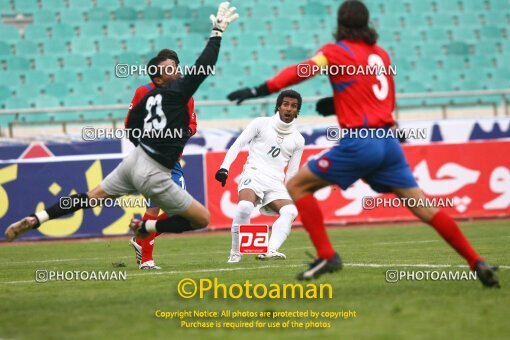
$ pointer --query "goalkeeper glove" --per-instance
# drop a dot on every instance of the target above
(221, 176)
(325, 106)
(222, 19)
(247, 93)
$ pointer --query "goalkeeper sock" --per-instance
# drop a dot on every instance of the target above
(242, 216)
(313, 221)
(65, 206)
(281, 227)
(451, 233)
(173, 224)
(161, 217)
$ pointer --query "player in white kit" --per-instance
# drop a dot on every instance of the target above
(274, 143)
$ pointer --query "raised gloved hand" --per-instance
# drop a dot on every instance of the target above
(325, 106)
(221, 176)
(247, 93)
(222, 19)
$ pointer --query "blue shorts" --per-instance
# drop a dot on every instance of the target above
(177, 176)
(378, 161)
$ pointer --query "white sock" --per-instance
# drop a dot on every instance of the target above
(42, 216)
(242, 216)
(150, 226)
(281, 227)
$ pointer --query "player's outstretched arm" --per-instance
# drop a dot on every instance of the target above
(223, 18)
(290, 75)
(251, 131)
(207, 59)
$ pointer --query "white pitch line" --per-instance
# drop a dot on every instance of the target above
(229, 269)
(16, 282)
(62, 260)
(149, 273)
(200, 253)
(408, 242)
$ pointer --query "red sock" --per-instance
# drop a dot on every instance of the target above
(148, 247)
(449, 230)
(311, 216)
(147, 243)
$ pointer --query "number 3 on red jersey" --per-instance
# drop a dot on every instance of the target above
(381, 89)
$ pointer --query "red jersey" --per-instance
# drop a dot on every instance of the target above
(361, 78)
(141, 91)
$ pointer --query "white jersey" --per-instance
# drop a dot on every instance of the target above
(273, 145)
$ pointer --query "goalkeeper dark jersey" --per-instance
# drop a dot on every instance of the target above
(159, 123)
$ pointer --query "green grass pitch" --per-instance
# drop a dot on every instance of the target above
(126, 309)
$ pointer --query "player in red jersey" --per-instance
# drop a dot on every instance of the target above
(144, 247)
(360, 100)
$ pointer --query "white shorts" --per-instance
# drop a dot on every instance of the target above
(266, 189)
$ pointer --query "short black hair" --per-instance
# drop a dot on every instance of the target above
(169, 54)
(288, 94)
(353, 23)
(153, 67)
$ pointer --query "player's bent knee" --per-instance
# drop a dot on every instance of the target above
(244, 209)
(197, 215)
(98, 192)
(289, 210)
(291, 184)
(203, 221)
(294, 188)
(298, 187)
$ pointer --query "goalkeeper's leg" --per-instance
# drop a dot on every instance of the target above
(65, 206)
